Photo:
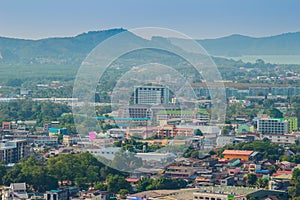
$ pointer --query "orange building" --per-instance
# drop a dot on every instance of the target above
(6, 125)
(237, 154)
(163, 142)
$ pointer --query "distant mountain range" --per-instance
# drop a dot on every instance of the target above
(67, 50)
(72, 50)
(238, 45)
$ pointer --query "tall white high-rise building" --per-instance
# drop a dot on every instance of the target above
(151, 95)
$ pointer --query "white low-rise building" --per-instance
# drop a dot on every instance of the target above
(281, 139)
(108, 152)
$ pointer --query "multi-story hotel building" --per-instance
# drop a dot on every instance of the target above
(273, 126)
(12, 151)
(151, 95)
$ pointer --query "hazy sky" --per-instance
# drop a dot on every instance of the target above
(196, 18)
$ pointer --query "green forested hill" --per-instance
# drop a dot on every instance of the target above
(72, 50)
(67, 51)
(59, 58)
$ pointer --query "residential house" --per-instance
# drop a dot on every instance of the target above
(16, 191)
(57, 195)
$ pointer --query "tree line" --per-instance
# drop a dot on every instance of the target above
(82, 170)
(32, 110)
(78, 169)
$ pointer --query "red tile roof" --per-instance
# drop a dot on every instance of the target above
(132, 180)
(279, 172)
(238, 152)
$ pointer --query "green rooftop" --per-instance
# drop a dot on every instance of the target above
(202, 111)
(55, 191)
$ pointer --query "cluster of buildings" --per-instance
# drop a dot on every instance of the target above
(18, 141)
(18, 191)
(154, 105)
(252, 92)
(221, 178)
(209, 177)
(154, 114)
(211, 193)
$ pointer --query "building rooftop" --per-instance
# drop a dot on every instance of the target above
(238, 152)
(55, 191)
(282, 176)
(18, 186)
(132, 180)
(182, 112)
(274, 119)
(187, 194)
(227, 190)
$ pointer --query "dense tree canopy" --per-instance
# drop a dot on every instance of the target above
(126, 161)
(294, 191)
(34, 173)
(82, 170)
(251, 179)
(275, 113)
(160, 184)
(135, 146)
(3, 171)
(31, 110)
(115, 183)
(14, 82)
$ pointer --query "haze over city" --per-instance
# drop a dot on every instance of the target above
(199, 19)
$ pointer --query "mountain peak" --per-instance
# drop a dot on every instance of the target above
(99, 32)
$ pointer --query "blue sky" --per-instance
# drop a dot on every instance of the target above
(196, 18)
